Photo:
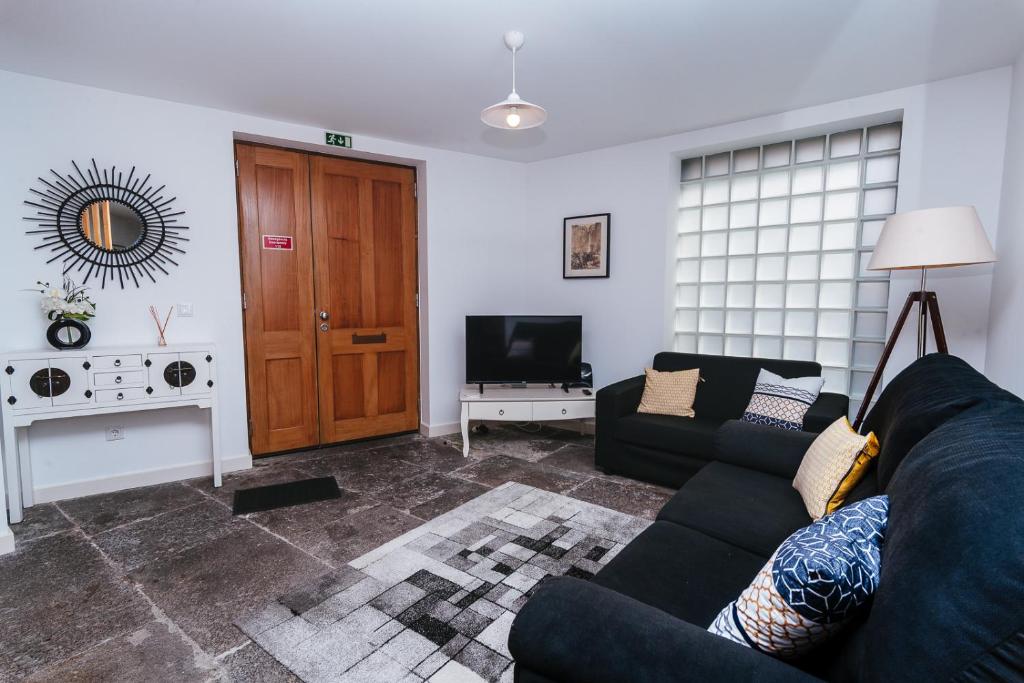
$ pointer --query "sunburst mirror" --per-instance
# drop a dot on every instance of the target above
(106, 225)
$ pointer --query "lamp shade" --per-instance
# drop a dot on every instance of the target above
(514, 113)
(932, 238)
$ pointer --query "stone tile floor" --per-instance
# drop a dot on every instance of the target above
(144, 584)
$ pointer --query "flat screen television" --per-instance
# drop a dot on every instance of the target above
(508, 349)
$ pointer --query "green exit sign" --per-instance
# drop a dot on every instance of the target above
(338, 139)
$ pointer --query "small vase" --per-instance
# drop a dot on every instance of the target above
(67, 333)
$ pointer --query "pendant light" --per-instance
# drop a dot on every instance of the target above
(513, 113)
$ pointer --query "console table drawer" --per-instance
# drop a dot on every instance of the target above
(116, 395)
(116, 379)
(115, 362)
(485, 410)
(562, 410)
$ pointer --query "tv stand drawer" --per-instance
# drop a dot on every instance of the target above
(562, 410)
(500, 410)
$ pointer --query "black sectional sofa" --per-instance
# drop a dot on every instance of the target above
(668, 450)
(950, 598)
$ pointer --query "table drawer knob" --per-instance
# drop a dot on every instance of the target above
(564, 411)
(117, 380)
(117, 362)
(501, 411)
(120, 396)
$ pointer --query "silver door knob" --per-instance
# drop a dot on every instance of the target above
(324, 315)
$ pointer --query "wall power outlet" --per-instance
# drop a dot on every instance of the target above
(115, 433)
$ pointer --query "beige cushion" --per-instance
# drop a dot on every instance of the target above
(832, 466)
(669, 393)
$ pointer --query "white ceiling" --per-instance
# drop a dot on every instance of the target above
(607, 71)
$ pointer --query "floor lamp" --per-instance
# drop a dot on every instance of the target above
(919, 240)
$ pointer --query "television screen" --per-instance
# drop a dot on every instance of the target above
(523, 348)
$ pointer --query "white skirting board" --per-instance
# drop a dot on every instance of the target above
(130, 480)
(7, 542)
(439, 429)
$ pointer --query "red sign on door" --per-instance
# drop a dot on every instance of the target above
(277, 242)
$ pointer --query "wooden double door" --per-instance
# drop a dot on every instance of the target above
(328, 249)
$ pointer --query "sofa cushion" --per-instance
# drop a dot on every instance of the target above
(680, 571)
(729, 380)
(749, 509)
(818, 580)
(952, 580)
(926, 394)
(669, 393)
(833, 465)
(689, 435)
(781, 402)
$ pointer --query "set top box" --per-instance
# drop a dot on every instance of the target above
(519, 349)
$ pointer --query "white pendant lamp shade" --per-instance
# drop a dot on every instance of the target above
(932, 238)
(513, 113)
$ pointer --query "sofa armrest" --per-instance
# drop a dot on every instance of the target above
(619, 399)
(573, 630)
(826, 410)
(758, 447)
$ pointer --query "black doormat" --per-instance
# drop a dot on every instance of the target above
(285, 495)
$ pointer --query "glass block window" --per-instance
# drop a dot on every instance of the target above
(773, 244)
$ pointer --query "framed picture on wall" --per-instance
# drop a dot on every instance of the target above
(585, 245)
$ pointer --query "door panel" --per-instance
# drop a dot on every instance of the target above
(364, 230)
(273, 198)
(391, 382)
(387, 253)
(158, 363)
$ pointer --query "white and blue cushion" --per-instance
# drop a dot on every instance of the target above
(813, 584)
(781, 402)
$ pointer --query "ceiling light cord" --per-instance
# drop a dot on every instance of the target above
(514, 51)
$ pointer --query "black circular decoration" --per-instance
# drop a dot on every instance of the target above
(66, 333)
(180, 374)
(49, 382)
(143, 246)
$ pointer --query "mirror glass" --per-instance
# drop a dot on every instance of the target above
(111, 225)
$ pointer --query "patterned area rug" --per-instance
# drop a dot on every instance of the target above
(436, 603)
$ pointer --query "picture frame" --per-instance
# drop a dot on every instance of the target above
(586, 242)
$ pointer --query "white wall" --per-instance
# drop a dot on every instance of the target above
(1006, 326)
(471, 218)
(492, 230)
(953, 137)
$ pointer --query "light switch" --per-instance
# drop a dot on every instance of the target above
(185, 310)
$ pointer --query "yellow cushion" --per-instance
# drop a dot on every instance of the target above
(669, 393)
(832, 466)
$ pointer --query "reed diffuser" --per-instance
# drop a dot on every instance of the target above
(161, 329)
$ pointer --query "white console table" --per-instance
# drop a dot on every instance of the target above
(51, 385)
(526, 404)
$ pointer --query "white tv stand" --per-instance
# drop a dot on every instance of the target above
(522, 404)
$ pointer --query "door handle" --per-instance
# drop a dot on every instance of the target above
(324, 315)
(324, 327)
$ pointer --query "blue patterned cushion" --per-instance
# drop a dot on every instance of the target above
(781, 402)
(814, 583)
